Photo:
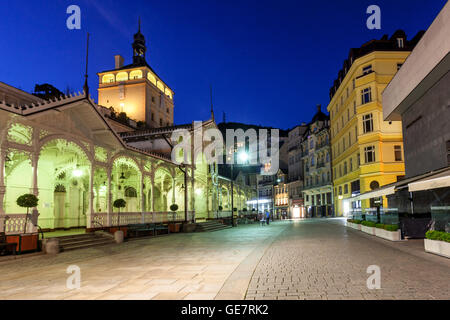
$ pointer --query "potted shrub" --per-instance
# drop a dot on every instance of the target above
(174, 227)
(118, 235)
(438, 242)
(388, 231)
(27, 242)
(368, 227)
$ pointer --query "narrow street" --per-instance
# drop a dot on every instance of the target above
(314, 259)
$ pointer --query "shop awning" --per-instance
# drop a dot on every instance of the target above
(378, 193)
(439, 180)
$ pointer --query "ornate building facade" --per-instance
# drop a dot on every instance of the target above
(316, 155)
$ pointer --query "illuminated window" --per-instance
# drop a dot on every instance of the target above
(122, 76)
(168, 93)
(108, 78)
(160, 86)
(151, 78)
(136, 74)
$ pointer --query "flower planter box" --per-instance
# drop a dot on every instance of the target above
(174, 227)
(440, 248)
(25, 242)
(368, 230)
(356, 226)
(388, 235)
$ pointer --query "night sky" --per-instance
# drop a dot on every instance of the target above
(270, 62)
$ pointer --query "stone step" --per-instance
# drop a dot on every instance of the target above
(87, 245)
(211, 226)
(80, 240)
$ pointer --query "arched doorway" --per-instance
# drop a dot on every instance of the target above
(63, 180)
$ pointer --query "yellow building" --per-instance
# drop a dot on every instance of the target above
(136, 89)
(367, 152)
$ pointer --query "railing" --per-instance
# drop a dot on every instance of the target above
(127, 218)
(14, 223)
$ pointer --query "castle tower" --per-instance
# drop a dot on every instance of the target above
(136, 89)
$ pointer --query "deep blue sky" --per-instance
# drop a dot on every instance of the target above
(270, 62)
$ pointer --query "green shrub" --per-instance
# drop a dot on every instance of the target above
(391, 227)
(380, 226)
(438, 236)
(369, 224)
(119, 203)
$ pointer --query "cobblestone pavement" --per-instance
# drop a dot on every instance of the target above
(178, 266)
(324, 260)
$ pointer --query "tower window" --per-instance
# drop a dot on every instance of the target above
(122, 76)
(400, 43)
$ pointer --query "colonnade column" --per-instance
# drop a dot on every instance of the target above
(109, 204)
(91, 198)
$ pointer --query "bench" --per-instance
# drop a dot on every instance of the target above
(162, 227)
(6, 247)
(136, 229)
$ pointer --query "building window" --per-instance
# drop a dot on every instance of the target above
(367, 123)
(354, 84)
(349, 138)
(345, 188)
(367, 70)
(356, 132)
(398, 153)
(351, 164)
(354, 107)
(358, 159)
(366, 95)
(153, 99)
(340, 170)
(340, 190)
(345, 168)
(400, 43)
(153, 116)
(369, 153)
(160, 122)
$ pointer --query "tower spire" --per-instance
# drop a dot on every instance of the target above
(212, 108)
(139, 24)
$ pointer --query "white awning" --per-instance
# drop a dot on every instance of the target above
(378, 193)
(441, 180)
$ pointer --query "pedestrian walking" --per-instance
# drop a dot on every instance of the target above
(267, 217)
(262, 219)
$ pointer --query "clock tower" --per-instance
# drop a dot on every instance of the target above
(139, 47)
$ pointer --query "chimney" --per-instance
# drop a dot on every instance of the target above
(118, 59)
